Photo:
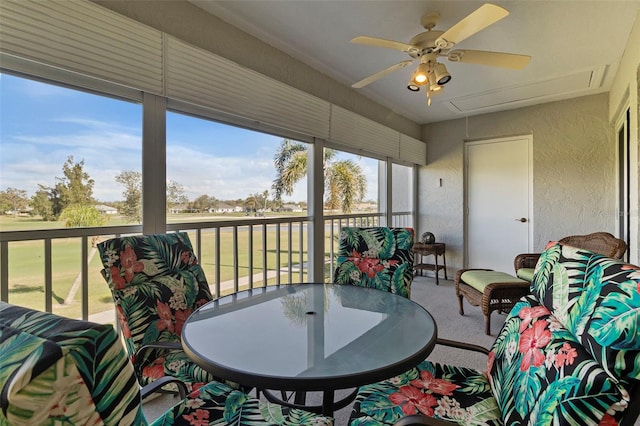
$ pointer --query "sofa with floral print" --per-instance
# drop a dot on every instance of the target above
(568, 354)
(156, 283)
(376, 257)
(61, 371)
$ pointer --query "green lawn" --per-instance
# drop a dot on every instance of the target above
(26, 264)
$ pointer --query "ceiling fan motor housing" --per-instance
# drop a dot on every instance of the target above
(425, 41)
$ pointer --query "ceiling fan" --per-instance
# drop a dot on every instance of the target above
(431, 44)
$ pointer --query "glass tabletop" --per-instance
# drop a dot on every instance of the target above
(309, 336)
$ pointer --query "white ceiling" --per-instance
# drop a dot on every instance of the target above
(575, 47)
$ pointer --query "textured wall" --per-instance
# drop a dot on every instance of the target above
(573, 165)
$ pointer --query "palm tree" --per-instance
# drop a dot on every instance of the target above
(344, 182)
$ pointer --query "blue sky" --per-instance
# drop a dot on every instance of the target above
(41, 125)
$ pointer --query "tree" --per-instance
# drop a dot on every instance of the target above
(71, 199)
(252, 202)
(344, 182)
(75, 188)
(257, 201)
(346, 185)
(132, 206)
(13, 199)
(204, 202)
(175, 195)
(42, 203)
(291, 166)
(78, 215)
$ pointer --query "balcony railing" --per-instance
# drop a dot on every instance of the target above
(59, 270)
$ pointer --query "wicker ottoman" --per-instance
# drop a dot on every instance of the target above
(492, 290)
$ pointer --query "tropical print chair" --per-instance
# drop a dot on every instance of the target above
(54, 370)
(218, 404)
(568, 354)
(376, 257)
(156, 283)
(60, 371)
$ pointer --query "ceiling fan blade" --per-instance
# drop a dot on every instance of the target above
(381, 42)
(381, 74)
(478, 20)
(494, 59)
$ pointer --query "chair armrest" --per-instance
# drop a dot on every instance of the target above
(462, 345)
(417, 419)
(525, 260)
(170, 346)
(157, 384)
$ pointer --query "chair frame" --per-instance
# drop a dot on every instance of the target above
(598, 242)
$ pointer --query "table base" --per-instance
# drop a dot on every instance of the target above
(328, 407)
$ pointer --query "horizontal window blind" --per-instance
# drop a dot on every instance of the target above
(356, 131)
(82, 37)
(86, 39)
(197, 76)
(413, 150)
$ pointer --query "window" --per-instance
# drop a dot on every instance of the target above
(60, 153)
(216, 172)
(402, 195)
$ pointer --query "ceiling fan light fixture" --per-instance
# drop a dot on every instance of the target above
(413, 87)
(433, 86)
(421, 75)
(441, 74)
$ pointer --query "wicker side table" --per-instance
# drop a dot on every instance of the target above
(499, 295)
(435, 249)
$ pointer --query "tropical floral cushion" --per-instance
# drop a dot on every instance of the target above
(219, 404)
(55, 370)
(598, 300)
(541, 374)
(460, 395)
(156, 283)
(376, 257)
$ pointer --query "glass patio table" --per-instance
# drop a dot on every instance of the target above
(309, 337)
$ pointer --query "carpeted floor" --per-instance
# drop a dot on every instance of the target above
(442, 303)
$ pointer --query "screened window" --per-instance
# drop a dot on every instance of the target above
(60, 153)
(216, 171)
(402, 198)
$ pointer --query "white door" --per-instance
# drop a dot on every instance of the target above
(498, 200)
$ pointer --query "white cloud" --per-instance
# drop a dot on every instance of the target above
(222, 177)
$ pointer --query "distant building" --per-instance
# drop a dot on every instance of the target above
(225, 208)
(367, 207)
(291, 208)
(104, 209)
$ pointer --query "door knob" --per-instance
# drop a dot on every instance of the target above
(522, 219)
